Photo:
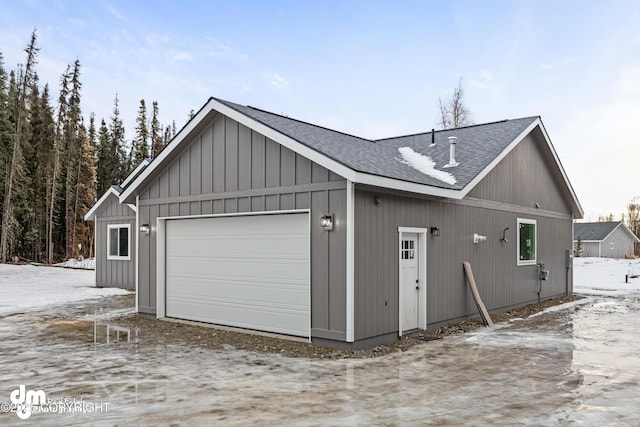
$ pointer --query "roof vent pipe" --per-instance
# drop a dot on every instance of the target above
(452, 152)
(433, 137)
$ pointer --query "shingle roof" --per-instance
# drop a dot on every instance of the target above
(593, 230)
(379, 162)
(476, 147)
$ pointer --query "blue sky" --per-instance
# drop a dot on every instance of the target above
(374, 69)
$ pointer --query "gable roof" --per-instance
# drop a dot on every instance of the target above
(378, 162)
(116, 190)
(598, 231)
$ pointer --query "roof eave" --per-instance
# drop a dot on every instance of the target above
(635, 238)
(92, 212)
(578, 213)
(128, 195)
(412, 187)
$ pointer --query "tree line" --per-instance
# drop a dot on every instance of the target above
(53, 166)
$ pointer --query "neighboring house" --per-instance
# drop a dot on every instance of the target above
(256, 220)
(604, 239)
(115, 226)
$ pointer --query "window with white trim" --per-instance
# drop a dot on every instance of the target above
(527, 244)
(408, 249)
(118, 241)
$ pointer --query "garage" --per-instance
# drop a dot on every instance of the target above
(250, 271)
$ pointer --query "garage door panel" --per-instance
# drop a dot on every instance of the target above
(247, 271)
(239, 315)
(268, 293)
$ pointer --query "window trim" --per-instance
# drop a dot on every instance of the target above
(533, 261)
(118, 257)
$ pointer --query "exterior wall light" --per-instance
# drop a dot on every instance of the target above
(326, 222)
(435, 231)
(144, 228)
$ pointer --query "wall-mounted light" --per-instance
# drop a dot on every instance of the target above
(144, 228)
(377, 200)
(435, 231)
(326, 222)
(477, 238)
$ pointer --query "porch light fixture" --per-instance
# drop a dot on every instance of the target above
(326, 222)
(435, 231)
(144, 228)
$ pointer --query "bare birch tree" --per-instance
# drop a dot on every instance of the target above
(453, 112)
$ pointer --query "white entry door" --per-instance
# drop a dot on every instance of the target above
(409, 276)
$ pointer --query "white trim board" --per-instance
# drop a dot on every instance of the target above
(161, 230)
(350, 283)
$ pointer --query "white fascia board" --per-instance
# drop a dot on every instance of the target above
(562, 171)
(215, 105)
(472, 184)
(89, 215)
(536, 123)
(286, 141)
(173, 145)
(635, 238)
(135, 172)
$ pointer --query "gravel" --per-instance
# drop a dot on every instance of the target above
(153, 331)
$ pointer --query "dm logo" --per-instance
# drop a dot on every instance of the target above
(25, 400)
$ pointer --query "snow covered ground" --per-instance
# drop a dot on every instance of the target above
(606, 276)
(87, 263)
(27, 287)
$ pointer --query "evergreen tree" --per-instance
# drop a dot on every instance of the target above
(10, 226)
(156, 131)
(107, 161)
(54, 226)
(116, 133)
(6, 127)
(82, 237)
(167, 136)
(44, 145)
(74, 133)
(140, 149)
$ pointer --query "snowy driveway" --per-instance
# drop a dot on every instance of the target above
(578, 364)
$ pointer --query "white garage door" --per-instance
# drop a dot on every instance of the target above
(246, 271)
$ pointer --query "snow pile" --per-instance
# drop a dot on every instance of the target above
(87, 263)
(424, 164)
(27, 287)
(606, 276)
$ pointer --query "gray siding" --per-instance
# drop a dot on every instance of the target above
(114, 273)
(502, 284)
(623, 244)
(229, 168)
(525, 177)
(590, 249)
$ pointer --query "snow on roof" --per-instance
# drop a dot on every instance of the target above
(424, 164)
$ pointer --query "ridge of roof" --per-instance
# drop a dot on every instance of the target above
(232, 104)
(454, 129)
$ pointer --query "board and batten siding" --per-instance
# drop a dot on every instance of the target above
(502, 283)
(623, 244)
(228, 168)
(114, 273)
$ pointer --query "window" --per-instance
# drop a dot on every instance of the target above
(526, 241)
(408, 249)
(118, 241)
(611, 245)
